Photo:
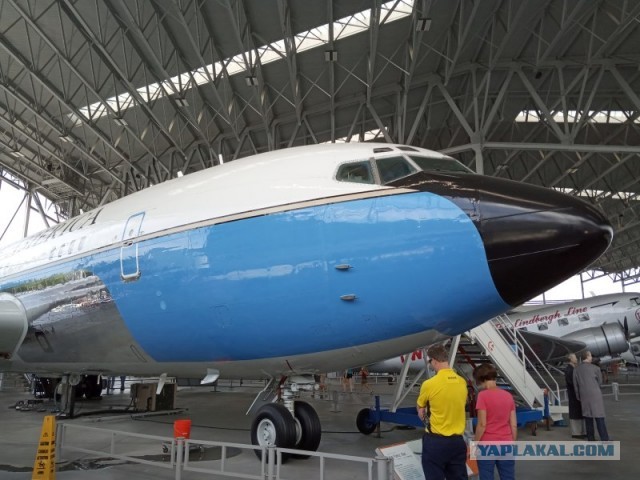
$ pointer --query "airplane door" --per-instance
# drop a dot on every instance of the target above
(129, 262)
(13, 325)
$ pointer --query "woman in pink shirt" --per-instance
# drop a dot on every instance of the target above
(496, 412)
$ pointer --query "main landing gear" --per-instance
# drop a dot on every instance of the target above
(290, 424)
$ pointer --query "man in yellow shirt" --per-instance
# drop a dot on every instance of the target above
(442, 401)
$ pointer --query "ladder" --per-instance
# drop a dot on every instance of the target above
(518, 364)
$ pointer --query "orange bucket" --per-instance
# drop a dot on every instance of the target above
(182, 428)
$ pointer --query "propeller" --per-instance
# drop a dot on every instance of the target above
(633, 353)
(625, 325)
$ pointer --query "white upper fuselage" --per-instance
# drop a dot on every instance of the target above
(268, 180)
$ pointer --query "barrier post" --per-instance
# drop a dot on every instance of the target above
(271, 462)
(615, 386)
(384, 468)
(179, 456)
(59, 440)
(335, 401)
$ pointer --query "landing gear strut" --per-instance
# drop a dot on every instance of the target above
(291, 424)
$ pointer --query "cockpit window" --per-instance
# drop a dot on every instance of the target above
(358, 172)
(635, 302)
(393, 168)
(446, 164)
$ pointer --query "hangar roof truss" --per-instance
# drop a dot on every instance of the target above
(101, 98)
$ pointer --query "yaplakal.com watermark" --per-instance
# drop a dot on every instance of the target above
(544, 450)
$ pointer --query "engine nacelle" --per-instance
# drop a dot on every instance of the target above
(13, 325)
(607, 339)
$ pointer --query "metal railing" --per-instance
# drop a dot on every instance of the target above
(270, 467)
(616, 389)
(526, 352)
(114, 437)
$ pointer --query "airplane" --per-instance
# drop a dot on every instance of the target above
(605, 325)
(297, 261)
(632, 356)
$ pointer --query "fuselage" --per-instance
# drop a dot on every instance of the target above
(567, 318)
(603, 324)
(293, 260)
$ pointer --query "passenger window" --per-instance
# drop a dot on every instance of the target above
(563, 322)
(543, 326)
(359, 172)
(393, 168)
(584, 317)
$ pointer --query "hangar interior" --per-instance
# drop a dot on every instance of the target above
(102, 98)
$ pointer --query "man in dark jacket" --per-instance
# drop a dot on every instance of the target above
(576, 420)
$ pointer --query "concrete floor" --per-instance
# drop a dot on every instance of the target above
(219, 416)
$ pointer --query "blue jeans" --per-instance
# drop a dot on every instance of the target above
(506, 469)
(444, 457)
(602, 429)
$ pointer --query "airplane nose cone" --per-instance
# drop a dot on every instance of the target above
(534, 237)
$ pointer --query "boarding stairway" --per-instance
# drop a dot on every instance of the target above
(536, 392)
(14, 382)
(519, 367)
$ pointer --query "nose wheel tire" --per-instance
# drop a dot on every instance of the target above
(273, 425)
(308, 428)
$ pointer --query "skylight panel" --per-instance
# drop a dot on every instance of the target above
(573, 116)
(314, 38)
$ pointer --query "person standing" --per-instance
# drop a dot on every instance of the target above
(576, 421)
(364, 380)
(497, 421)
(587, 380)
(444, 397)
(347, 380)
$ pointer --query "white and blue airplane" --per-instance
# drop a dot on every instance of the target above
(304, 260)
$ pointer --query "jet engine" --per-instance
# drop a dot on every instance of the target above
(606, 339)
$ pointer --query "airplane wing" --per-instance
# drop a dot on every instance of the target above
(550, 348)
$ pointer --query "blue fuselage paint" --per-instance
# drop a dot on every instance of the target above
(417, 263)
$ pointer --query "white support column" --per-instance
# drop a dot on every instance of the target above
(479, 160)
(27, 216)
